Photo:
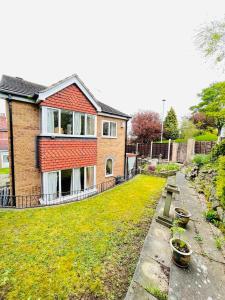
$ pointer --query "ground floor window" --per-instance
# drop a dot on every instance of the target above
(68, 182)
(109, 167)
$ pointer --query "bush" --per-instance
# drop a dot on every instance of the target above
(201, 159)
(211, 216)
(151, 168)
(218, 150)
(208, 137)
(220, 180)
(167, 167)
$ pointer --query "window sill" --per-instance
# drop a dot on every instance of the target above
(53, 136)
(107, 176)
(69, 198)
(109, 137)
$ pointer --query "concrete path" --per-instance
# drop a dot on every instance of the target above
(153, 267)
(203, 280)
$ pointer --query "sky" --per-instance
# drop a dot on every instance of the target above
(131, 54)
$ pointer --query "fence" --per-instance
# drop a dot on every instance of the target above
(204, 147)
(29, 201)
(174, 151)
(154, 150)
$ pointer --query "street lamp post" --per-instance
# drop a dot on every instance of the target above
(163, 101)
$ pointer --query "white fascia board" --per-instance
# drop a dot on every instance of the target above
(60, 86)
(112, 116)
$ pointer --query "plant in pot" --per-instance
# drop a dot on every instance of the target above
(182, 216)
(181, 250)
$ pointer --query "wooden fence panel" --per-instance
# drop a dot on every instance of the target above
(145, 150)
(204, 147)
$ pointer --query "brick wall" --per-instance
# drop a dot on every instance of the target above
(66, 153)
(25, 129)
(110, 147)
(70, 98)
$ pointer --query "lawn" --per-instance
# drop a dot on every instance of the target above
(4, 171)
(82, 250)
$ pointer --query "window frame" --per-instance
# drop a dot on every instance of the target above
(74, 193)
(109, 175)
(44, 123)
(109, 136)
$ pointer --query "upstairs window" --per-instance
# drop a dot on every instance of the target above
(109, 129)
(52, 121)
(109, 167)
(64, 122)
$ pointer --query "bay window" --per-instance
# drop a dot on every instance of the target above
(52, 121)
(64, 122)
(109, 129)
(68, 182)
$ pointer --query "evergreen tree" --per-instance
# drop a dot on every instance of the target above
(171, 125)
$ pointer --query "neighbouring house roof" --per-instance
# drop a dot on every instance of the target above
(19, 87)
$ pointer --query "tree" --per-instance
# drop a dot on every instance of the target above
(202, 121)
(171, 125)
(146, 126)
(212, 103)
(210, 39)
(188, 129)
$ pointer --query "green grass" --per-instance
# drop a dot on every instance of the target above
(157, 293)
(4, 171)
(85, 249)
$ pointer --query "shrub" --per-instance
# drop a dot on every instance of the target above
(220, 180)
(218, 150)
(167, 167)
(208, 137)
(210, 215)
(151, 168)
(201, 159)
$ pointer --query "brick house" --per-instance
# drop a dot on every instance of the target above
(61, 139)
(4, 161)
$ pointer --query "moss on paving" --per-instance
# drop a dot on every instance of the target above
(85, 250)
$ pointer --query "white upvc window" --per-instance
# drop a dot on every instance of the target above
(109, 167)
(64, 122)
(109, 129)
(68, 183)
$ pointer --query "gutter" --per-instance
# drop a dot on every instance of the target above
(9, 99)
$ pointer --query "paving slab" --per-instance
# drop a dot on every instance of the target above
(205, 277)
(137, 292)
(203, 280)
(155, 259)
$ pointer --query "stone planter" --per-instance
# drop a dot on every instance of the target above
(182, 216)
(182, 256)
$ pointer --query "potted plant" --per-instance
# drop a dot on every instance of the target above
(182, 216)
(181, 250)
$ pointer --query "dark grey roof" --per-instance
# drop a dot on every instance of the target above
(110, 110)
(20, 87)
